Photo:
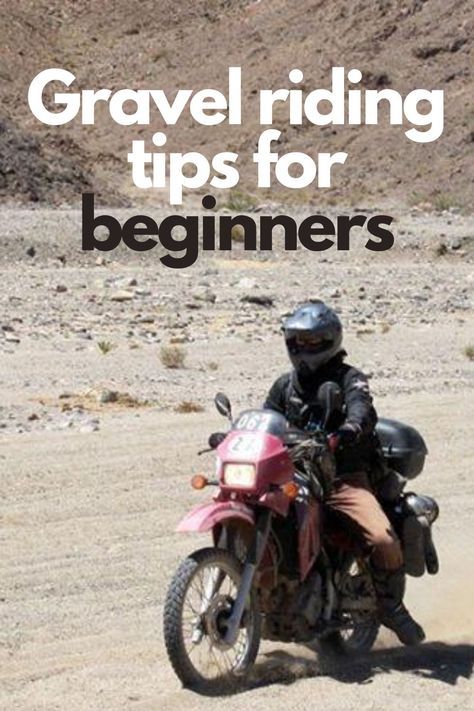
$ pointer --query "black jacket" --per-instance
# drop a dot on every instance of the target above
(288, 395)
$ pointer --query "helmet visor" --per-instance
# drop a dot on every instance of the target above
(308, 342)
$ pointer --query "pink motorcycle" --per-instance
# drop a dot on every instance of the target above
(278, 568)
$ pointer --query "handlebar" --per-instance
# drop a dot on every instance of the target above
(296, 436)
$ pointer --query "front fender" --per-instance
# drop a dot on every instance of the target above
(208, 515)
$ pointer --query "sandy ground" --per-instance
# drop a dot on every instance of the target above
(88, 548)
(87, 518)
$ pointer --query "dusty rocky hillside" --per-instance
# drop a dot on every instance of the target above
(403, 44)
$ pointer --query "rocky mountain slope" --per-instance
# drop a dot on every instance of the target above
(400, 44)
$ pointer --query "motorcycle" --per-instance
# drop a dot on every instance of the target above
(278, 568)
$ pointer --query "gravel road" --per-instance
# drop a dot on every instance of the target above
(97, 445)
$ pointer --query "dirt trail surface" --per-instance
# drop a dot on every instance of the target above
(95, 460)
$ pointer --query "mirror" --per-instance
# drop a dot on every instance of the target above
(215, 439)
(223, 405)
(330, 398)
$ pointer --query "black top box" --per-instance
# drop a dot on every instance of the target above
(403, 447)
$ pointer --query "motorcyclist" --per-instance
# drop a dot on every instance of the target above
(313, 337)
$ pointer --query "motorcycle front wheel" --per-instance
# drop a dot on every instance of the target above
(199, 602)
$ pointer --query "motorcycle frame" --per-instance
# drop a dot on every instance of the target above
(254, 509)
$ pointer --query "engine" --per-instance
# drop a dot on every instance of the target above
(292, 610)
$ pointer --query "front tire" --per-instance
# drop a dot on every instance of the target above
(198, 602)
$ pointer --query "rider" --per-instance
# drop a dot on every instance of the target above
(313, 336)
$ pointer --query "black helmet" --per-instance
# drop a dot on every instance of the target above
(313, 335)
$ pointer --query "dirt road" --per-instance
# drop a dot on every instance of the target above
(91, 493)
(88, 547)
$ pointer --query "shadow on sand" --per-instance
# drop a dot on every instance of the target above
(436, 660)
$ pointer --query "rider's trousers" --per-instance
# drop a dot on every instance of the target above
(354, 503)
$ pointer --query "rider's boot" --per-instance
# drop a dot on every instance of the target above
(390, 587)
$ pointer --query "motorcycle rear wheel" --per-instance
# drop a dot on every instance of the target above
(359, 640)
(360, 637)
(198, 602)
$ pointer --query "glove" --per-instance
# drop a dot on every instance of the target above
(345, 436)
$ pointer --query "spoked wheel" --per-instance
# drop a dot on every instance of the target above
(198, 604)
(358, 614)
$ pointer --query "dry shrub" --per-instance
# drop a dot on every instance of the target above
(469, 351)
(172, 356)
(97, 399)
(127, 400)
(237, 233)
(187, 406)
(241, 202)
(105, 347)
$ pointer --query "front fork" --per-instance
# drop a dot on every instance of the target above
(252, 561)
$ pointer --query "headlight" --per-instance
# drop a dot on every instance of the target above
(242, 476)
